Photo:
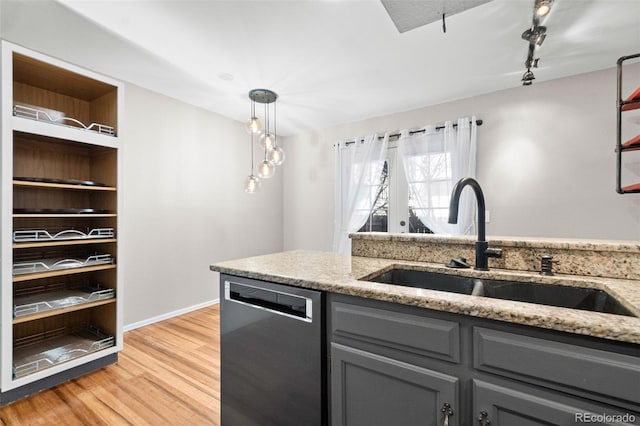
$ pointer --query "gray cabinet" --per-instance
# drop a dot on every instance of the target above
(504, 406)
(593, 373)
(369, 389)
(393, 364)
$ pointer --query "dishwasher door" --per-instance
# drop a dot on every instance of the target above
(272, 354)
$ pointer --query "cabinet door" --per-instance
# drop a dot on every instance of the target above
(501, 406)
(369, 389)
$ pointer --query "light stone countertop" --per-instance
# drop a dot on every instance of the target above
(344, 274)
(574, 244)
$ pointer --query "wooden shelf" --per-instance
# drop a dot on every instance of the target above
(48, 86)
(53, 243)
(630, 105)
(61, 272)
(63, 186)
(632, 102)
(40, 128)
(32, 72)
(61, 136)
(45, 314)
(632, 144)
(48, 347)
(631, 189)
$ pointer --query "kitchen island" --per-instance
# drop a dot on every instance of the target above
(404, 354)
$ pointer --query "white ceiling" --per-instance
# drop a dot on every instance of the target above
(337, 61)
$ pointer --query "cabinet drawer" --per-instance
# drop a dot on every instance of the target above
(504, 406)
(410, 333)
(603, 373)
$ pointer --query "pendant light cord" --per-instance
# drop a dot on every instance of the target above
(275, 127)
(253, 114)
(265, 132)
(251, 165)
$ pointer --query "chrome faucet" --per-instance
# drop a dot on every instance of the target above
(483, 252)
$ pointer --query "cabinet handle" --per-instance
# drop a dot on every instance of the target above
(483, 418)
(448, 411)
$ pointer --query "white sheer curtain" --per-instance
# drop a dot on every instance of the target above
(433, 162)
(358, 169)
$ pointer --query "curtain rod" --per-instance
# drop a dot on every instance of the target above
(413, 132)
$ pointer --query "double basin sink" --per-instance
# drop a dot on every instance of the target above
(588, 299)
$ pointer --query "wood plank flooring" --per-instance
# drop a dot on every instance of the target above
(167, 374)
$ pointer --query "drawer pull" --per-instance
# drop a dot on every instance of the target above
(448, 411)
(483, 418)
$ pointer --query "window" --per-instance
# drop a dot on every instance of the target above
(395, 208)
(378, 220)
(404, 186)
(431, 173)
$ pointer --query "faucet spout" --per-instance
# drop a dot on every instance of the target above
(483, 252)
(455, 203)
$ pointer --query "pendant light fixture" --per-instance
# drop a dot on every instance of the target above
(273, 154)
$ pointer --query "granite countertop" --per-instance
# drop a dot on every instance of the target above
(536, 242)
(344, 274)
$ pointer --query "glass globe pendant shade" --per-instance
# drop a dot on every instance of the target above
(276, 155)
(267, 141)
(253, 125)
(266, 169)
(251, 184)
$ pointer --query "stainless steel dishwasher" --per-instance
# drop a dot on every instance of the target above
(272, 354)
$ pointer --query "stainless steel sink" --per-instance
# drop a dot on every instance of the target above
(426, 280)
(587, 299)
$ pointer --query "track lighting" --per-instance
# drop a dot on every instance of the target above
(536, 34)
(528, 77)
(542, 7)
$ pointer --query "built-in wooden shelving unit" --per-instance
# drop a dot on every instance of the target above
(61, 297)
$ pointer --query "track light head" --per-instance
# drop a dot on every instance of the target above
(536, 34)
(528, 77)
(542, 8)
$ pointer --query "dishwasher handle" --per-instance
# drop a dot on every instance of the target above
(266, 299)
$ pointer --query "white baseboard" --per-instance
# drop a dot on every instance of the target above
(129, 327)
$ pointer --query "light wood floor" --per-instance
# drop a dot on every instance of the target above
(167, 374)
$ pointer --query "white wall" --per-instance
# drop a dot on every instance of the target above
(184, 203)
(545, 162)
